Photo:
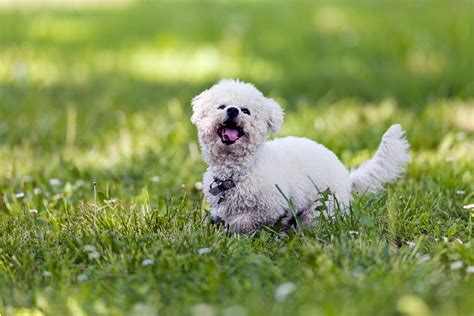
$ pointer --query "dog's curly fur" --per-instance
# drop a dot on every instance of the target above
(234, 145)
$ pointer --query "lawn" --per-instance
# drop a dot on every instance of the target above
(100, 207)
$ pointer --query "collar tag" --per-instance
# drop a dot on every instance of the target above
(215, 190)
(221, 187)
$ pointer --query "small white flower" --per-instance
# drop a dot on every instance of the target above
(54, 182)
(47, 273)
(358, 272)
(33, 211)
(234, 310)
(468, 207)
(20, 195)
(80, 183)
(27, 179)
(82, 277)
(147, 262)
(460, 136)
(20, 71)
(411, 244)
(36, 191)
(94, 255)
(425, 257)
(198, 186)
(203, 251)
(470, 269)
(445, 239)
(89, 248)
(155, 179)
(460, 192)
(456, 265)
(353, 232)
(283, 290)
(202, 310)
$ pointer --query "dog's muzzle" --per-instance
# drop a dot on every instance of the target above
(230, 132)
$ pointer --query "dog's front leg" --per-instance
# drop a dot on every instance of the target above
(217, 221)
(243, 223)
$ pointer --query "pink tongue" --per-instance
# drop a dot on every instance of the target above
(230, 134)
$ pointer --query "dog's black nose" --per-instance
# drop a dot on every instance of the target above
(232, 112)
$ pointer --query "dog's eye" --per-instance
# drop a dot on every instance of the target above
(246, 111)
(221, 107)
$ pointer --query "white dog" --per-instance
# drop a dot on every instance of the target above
(234, 121)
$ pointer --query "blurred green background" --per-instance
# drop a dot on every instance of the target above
(100, 91)
(112, 80)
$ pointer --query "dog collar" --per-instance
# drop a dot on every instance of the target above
(220, 186)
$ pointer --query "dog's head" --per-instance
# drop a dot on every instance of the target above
(233, 116)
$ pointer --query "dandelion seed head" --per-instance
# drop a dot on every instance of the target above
(147, 262)
(89, 248)
(20, 195)
(82, 277)
(283, 290)
(155, 179)
(456, 265)
(54, 182)
(203, 251)
(94, 255)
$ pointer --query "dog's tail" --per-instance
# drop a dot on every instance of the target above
(386, 165)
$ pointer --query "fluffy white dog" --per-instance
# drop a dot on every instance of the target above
(234, 121)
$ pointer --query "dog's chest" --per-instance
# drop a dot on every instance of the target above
(240, 195)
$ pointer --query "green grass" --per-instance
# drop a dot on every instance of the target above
(103, 95)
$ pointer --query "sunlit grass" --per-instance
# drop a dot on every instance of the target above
(333, 19)
(170, 64)
(156, 65)
(59, 29)
(61, 4)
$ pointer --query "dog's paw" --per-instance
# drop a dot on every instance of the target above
(217, 221)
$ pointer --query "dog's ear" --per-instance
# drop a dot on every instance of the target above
(275, 117)
(197, 103)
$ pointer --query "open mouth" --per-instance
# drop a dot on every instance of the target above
(230, 132)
